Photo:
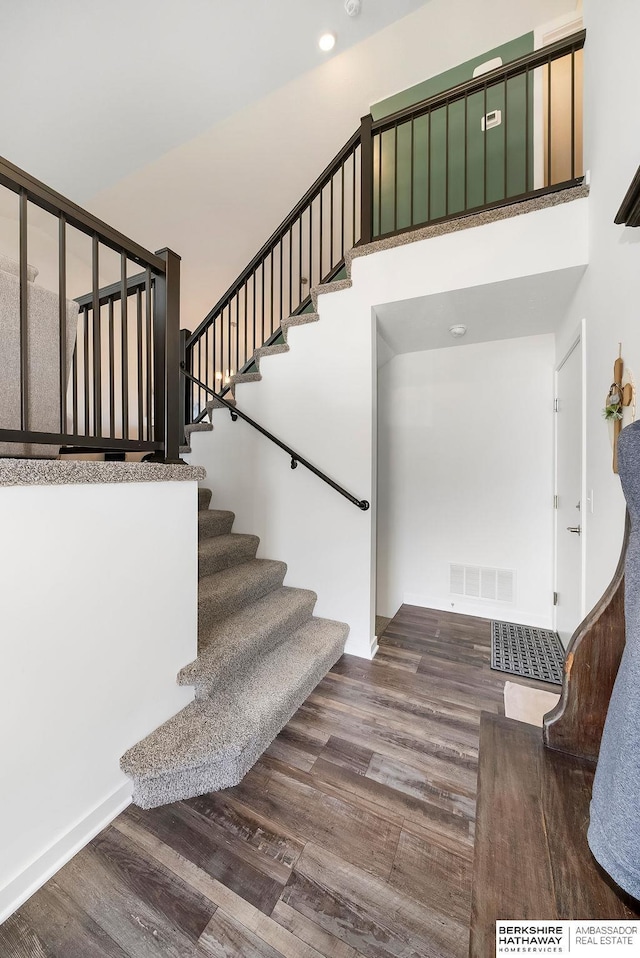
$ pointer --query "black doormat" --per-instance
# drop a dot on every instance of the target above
(522, 650)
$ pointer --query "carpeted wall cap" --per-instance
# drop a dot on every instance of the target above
(8, 265)
(60, 472)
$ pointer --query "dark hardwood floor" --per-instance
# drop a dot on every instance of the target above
(353, 835)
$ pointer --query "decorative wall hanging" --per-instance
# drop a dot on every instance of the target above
(619, 407)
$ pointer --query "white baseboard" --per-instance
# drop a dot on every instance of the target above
(362, 648)
(33, 877)
(483, 609)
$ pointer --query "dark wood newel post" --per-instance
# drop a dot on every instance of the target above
(169, 428)
(366, 179)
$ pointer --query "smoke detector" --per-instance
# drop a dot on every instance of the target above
(458, 331)
(353, 7)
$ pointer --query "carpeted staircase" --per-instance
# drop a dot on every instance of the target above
(261, 652)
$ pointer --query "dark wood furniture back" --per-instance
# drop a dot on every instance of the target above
(593, 658)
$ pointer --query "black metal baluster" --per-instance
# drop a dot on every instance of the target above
(429, 166)
(62, 319)
(549, 123)
(24, 314)
(246, 313)
(353, 200)
(253, 341)
(214, 356)
(149, 343)
(310, 245)
(506, 142)
(206, 357)
(380, 183)
(139, 357)
(290, 309)
(526, 129)
(280, 303)
(484, 142)
(124, 332)
(300, 296)
(74, 380)
(237, 299)
(270, 294)
(86, 371)
(97, 340)
(573, 113)
(229, 329)
(112, 363)
(200, 374)
(395, 177)
(262, 308)
(466, 152)
(412, 175)
(342, 210)
(321, 267)
(331, 224)
(446, 158)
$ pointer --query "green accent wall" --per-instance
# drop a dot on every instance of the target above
(439, 180)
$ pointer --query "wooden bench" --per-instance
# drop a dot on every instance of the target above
(531, 859)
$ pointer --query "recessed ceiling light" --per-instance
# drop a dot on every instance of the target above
(457, 331)
(327, 42)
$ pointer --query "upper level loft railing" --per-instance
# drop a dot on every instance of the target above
(92, 371)
(506, 136)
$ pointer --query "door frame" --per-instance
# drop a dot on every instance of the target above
(586, 505)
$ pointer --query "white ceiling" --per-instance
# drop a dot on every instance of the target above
(95, 89)
(527, 306)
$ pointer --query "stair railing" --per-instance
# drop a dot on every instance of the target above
(512, 134)
(100, 371)
(307, 249)
(296, 458)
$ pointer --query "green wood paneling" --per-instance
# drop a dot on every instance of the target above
(428, 186)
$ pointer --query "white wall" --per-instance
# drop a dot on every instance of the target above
(465, 475)
(217, 198)
(609, 296)
(99, 600)
(320, 399)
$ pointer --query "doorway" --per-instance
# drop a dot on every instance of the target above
(570, 500)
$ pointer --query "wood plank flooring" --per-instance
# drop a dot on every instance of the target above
(352, 836)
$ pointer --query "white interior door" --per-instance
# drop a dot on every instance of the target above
(570, 508)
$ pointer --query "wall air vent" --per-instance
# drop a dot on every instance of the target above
(478, 582)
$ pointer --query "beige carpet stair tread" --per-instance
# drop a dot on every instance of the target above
(221, 552)
(270, 351)
(214, 522)
(229, 591)
(233, 644)
(216, 404)
(213, 742)
(300, 319)
(204, 497)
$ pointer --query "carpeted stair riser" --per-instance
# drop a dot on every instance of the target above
(233, 645)
(229, 591)
(204, 498)
(222, 552)
(233, 730)
(214, 522)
